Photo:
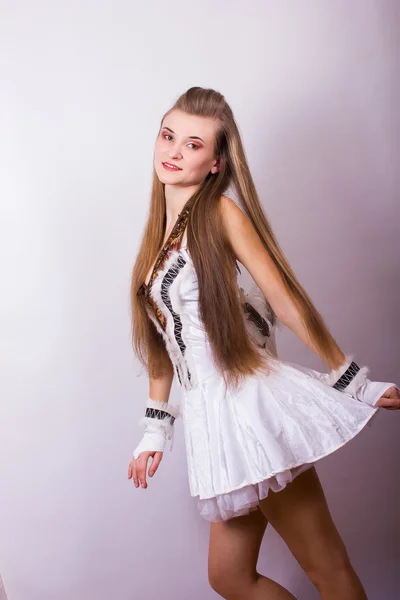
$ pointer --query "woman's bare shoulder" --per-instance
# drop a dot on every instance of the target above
(232, 215)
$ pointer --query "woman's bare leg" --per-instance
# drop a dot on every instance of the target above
(232, 560)
(300, 515)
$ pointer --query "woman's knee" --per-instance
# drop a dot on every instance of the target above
(229, 584)
(233, 554)
(329, 567)
(230, 575)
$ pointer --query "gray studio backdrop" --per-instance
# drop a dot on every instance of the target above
(83, 87)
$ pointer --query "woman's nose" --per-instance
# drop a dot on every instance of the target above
(174, 152)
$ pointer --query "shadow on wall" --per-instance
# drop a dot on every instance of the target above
(3, 595)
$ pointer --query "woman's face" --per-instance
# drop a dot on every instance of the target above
(187, 142)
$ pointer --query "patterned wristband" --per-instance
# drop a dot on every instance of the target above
(349, 377)
(161, 412)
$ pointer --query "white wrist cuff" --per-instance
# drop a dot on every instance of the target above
(351, 379)
(370, 391)
(154, 440)
(159, 420)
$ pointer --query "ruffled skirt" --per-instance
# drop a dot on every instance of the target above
(242, 444)
(246, 499)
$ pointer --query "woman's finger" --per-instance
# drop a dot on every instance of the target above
(141, 467)
(134, 473)
(155, 462)
(392, 392)
(390, 402)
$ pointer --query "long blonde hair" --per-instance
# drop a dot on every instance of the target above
(235, 354)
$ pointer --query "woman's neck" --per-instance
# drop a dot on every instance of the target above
(175, 199)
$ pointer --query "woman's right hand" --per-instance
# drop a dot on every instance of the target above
(138, 467)
(390, 399)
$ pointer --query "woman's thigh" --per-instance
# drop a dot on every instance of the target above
(234, 548)
(300, 515)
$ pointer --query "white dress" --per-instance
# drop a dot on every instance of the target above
(241, 445)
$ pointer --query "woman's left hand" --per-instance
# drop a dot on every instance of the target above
(390, 399)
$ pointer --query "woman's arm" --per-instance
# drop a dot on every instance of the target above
(159, 416)
(160, 389)
(292, 320)
(345, 374)
(250, 251)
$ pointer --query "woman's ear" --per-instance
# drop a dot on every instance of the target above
(216, 167)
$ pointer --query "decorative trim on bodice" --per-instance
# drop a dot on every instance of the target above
(173, 242)
(166, 313)
(166, 282)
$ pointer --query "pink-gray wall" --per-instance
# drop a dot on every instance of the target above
(314, 87)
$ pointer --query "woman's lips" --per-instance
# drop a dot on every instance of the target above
(167, 168)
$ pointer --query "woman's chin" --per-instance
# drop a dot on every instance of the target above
(168, 179)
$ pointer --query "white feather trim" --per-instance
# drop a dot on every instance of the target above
(358, 380)
(165, 406)
(256, 298)
(335, 374)
(163, 424)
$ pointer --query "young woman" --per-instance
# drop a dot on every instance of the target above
(253, 423)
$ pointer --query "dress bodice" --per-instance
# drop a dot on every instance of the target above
(172, 304)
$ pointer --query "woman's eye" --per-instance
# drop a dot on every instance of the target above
(167, 135)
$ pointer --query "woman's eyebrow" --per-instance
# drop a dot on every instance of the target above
(192, 137)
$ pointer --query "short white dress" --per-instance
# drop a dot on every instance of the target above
(241, 445)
